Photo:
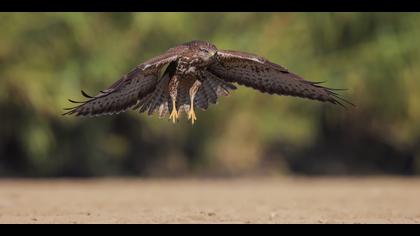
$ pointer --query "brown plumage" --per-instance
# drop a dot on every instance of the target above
(196, 74)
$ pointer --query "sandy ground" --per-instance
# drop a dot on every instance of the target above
(259, 200)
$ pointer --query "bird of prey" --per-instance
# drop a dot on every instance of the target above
(194, 75)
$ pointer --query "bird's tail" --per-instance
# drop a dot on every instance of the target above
(160, 102)
(183, 99)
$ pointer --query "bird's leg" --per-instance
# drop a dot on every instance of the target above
(173, 90)
(193, 90)
(174, 113)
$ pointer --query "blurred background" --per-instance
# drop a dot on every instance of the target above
(46, 58)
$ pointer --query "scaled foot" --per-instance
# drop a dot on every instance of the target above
(174, 114)
(191, 115)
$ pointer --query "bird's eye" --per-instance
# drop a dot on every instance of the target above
(204, 50)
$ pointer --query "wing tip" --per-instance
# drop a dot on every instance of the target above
(338, 100)
(334, 97)
(85, 94)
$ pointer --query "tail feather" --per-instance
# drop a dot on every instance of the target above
(211, 94)
(183, 99)
(201, 100)
(160, 102)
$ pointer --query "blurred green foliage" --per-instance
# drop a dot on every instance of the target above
(46, 58)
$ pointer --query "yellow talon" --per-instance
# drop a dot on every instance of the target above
(174, 113)
(191, 115)
(174, 116)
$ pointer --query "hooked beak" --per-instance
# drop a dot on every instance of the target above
(216, 56)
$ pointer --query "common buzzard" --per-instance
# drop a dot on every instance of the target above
(195, 74)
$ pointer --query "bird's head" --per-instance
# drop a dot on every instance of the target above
(204, 50)
(207, 54)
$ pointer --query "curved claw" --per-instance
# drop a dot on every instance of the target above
(192, 116)
(174, 114)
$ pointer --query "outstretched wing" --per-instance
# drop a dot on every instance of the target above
(128, 90)
(118, 97)
(258, 73)
(155, 64)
